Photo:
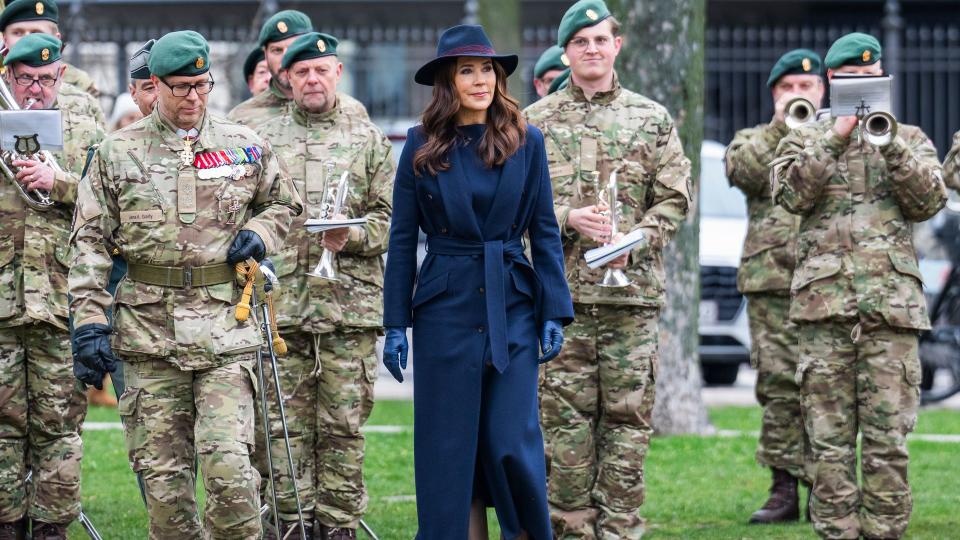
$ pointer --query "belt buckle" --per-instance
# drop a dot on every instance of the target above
(188, 277)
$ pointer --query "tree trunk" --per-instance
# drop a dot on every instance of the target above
(662, 58)
(501, 22)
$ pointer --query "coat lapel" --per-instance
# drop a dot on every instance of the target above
(507, 200)
(456, 194)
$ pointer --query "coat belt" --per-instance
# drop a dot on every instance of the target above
(494, 253)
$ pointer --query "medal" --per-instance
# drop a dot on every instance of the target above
(186, 155)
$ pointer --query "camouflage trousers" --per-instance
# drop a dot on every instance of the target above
(857, 380)
(172, 417)
(324, 416)
(596, 403)
(774, 354)
(42, 406)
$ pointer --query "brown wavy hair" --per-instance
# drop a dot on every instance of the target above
(506, 128)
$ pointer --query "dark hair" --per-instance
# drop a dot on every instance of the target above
(506, 128)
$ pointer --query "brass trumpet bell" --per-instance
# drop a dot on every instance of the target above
(799, 111)
(879, 128)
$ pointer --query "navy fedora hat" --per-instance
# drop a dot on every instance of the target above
(463, 40)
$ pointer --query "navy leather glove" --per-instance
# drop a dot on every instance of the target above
(89, 377)
(247, 244)
(395, 351)
(551, 340)
(91, 349)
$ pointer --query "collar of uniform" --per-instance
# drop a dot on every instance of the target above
(604, 97)
(276, 91)
(309, 119)
(174, 141)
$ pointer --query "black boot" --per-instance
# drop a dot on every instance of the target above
(784, 502)
(14, 530)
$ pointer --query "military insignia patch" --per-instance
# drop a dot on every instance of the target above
(39, 8)
(564, 59)
(45, 55)
(866, 56)
(282, 27)
(592, 15)
(199, 62)
(805, 64)
(321, 45)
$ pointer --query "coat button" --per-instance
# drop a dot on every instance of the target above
(481, 290)
(429, 197)
(514, 225)
(480, 329)
(443, 230)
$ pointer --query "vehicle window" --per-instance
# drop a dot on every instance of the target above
(717, 198)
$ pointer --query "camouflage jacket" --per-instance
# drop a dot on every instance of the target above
(951, 165)
(138, 195)
(34, 246)
(769, 251)
(625, 132)
(81, 79)
(272, 103)
(305, 143)
(855, 255)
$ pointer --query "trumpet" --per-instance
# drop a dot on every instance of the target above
(334, 195)
(879, 128)
(799, 111)
(36, 199)
(607, 196)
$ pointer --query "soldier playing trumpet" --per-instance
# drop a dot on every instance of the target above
(41, 403)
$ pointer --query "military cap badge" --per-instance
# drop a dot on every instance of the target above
(866, 56)
(805, 64)
(592, 15)
(39, 8)
(321, 45)
(282, 27)
(45, 55)
(199, 62)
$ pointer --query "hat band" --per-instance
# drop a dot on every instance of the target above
(468, 50)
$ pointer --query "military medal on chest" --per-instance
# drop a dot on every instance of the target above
(186, 155)
(233, 163)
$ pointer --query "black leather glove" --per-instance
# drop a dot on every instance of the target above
(551, 340)
(395, 351)
(247, 244)
(91, 349)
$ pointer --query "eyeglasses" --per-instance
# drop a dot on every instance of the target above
(45, 81)
(581, 43)
(183, 90)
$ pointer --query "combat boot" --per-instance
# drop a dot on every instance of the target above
(14, 530)
(48, 531)
(784, 502)
(337, 533)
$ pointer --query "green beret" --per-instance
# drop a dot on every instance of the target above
(308, 46)
(583, 14)
(795, 62)
(180, 53)
(561, 82)
(250, 64)
(856, 49)
(29, 10)
(139, 70)
(551, 58)
(34, 50)
(283, 25)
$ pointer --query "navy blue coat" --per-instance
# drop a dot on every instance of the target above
(476, 316)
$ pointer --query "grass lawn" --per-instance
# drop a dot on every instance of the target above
(697, 487)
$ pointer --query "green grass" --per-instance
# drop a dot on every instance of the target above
(698, 487)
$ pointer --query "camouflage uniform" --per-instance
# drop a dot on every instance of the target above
(858, 301)
(270, 104)
(951, 165)
(597, 396)
(766, 268)
(42, 405)
(328, 375)
(188, 361)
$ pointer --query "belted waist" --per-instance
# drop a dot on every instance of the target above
(181, 276)
(494, 253)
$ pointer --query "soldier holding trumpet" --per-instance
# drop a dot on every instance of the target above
(764, 277)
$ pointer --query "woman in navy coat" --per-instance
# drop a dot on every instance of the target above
(474, 177)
